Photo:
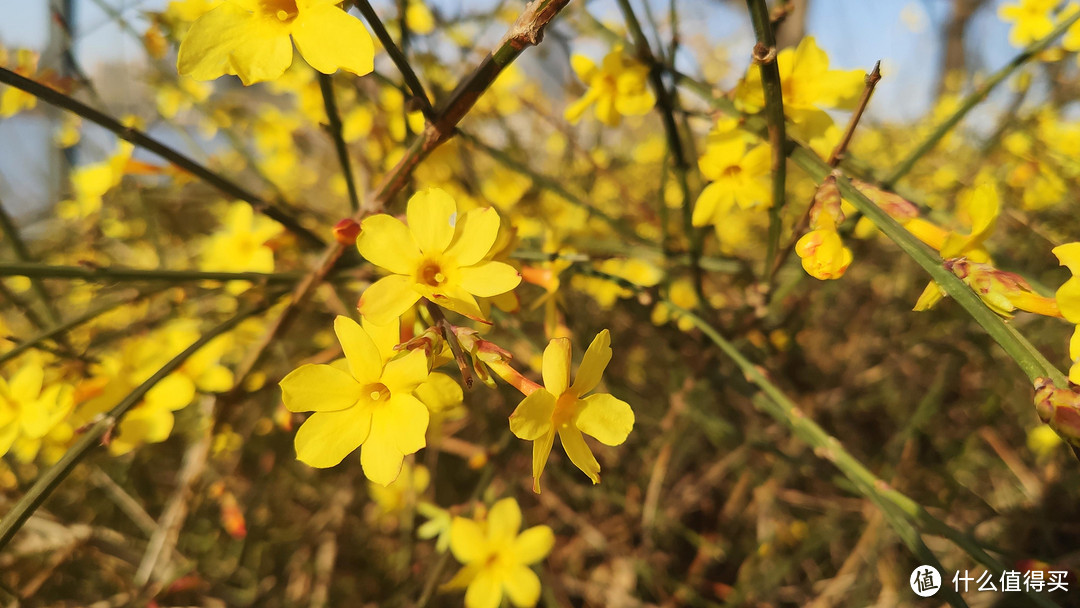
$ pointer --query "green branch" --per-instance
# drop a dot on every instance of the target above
(8, 228)
(326, 85)
(974, 99)
(14, 519)
(137, 137)
(893, 502)
(765, 57)
(396, 55)
(106, 273)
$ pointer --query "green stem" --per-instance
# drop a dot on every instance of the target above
(137, 137)
(893, 502)
(66, 326)
(974, 99)
(765, 56)
(396, 55)
(106, 273)
(7, 226)
(52, 477)
(665, 105)
(326, 85)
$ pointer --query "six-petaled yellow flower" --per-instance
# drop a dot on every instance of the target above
(251, 38)
(438, 256)
(560, 407)
(618, 87)
(368, 404)
(497, 558)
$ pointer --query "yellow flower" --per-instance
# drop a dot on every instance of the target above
(559, 407)
(1031, 19)
(739, 176)
(241, 245)
(368, 404)
(619, 87)
(12, 100)
(438, 256)
(402, 492)
(1003, 292)
(808, 86)
(823, 254)
(30, 409)
(251, 39)
(497, 558)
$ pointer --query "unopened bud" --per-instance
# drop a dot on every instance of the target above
(346, 231)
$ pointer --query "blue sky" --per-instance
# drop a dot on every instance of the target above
(854, 32)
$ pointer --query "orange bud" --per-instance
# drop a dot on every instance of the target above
(346, 231)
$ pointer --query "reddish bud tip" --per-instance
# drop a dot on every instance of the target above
(346, 231)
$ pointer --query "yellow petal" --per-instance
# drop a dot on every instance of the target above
(260, 58)
(174, 392)
(362, 355)
(328, 38)
(385, 337)
(606, 418)
(386, 242)
(467, 540)
(532, 417)
(533, 544)
(460, 301)
(1068, 300)
(439, 392)
(405, 420)
(404, 374)
(556, 366)
(26, 384)
(319, 388)
(541, 452)
(504, 521)
(522, 586)
(580, 454)
(1069, 255)
(584, 67)
(474, 236)
(485, 591)
(593, 364)
(204, 52)
(388, 298)
(488, 279)
(430, 214)
(929, 298)
(379, 457)
(326, 438)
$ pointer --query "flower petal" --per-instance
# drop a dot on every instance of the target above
(385, 337)
(474, 235)
(485, 591)
(488, 279)
(365, 364)
(532, 417)
(204, 52)
(580, 454)
(262, 56)
(556, 367)
(328, 38)
(379, 455)
(606, 418)
(504, 521)
(326, 438)
(460, 301)
(593, 364)
(522, 586)
(319, 388)
(541, 452)
(431, 215)
(403, 375)
(386, 242)
(468, 542)
(533, 544)
(405, 420)
(387, 299)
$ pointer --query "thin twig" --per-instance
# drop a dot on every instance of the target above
(665, 105)
(972, 100)
(110, 273)
(448, 334)
(326, 85)
(51, 477)
(834, 159)
(527, 31)
(420, 96)
(765, 57)
(143, 140)
(11, 232)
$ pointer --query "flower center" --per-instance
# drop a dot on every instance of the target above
(564, 409)
(377, 392)
(284, 10)
(732, 171)
(431, 274)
